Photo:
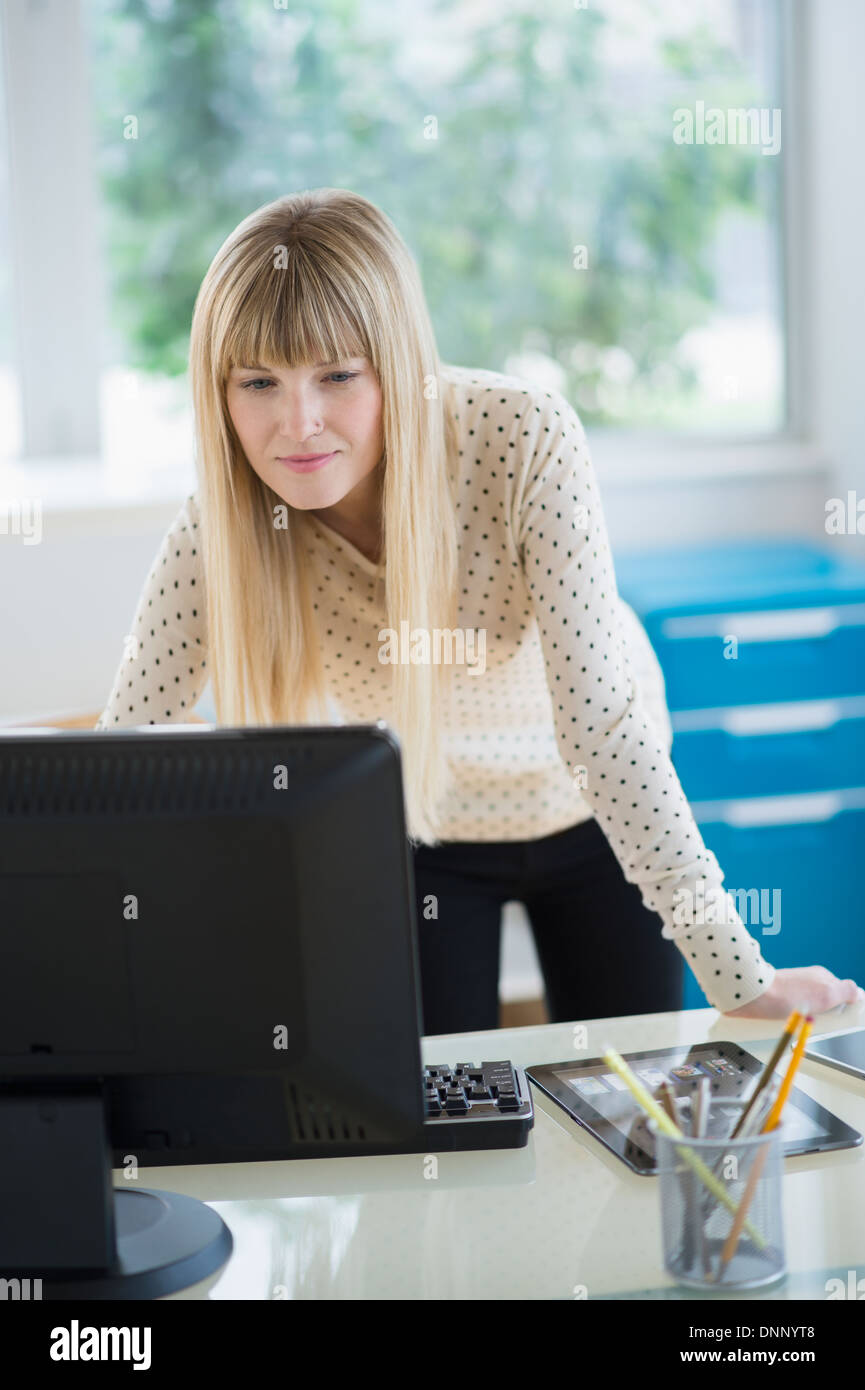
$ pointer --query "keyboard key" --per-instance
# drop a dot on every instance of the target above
(508, 1102)
(466, 1089)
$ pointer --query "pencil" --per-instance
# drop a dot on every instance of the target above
(770, 1123)
(690, 1194)
(667, 1098)
(789, 1029)
(701, 1099)
(666, 1126)
(732, 1241)
(765, 1077)
(775, 1113)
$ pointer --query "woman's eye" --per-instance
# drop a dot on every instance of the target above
(260, 380)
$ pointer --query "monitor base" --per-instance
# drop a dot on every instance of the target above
(165, 1242)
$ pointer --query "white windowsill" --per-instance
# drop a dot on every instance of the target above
(82, 494)
(647, 459)
(83, 485)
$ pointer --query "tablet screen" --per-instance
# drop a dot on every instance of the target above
(598, 1099)
(608, 1094)
(844, 1050)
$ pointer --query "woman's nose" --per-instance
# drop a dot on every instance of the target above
(299, 423)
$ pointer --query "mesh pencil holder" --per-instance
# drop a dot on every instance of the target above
(721, 1208)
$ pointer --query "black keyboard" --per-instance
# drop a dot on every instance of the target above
(472, 1105)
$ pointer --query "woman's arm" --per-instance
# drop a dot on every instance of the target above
(601, 726)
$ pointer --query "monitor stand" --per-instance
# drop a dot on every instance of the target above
(64, 1225)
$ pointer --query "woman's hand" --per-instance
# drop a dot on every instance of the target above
(811, 988)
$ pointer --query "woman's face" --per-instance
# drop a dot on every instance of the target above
(330, 409)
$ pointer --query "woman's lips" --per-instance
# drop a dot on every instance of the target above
(308, 465)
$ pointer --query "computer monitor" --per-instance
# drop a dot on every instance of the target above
(208, 955)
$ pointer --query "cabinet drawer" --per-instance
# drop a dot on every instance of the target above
(766, 750)
(796, 610)
(792, 865)
(741, 657)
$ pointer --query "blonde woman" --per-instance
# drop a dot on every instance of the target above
(378, 535)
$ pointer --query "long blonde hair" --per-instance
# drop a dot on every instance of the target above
(319, 276)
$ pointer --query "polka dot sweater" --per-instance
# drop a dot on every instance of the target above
(559, 710)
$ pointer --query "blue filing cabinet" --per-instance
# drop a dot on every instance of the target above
(763, 651)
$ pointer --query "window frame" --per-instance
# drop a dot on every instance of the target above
(44, 49)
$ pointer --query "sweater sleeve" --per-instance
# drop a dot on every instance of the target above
(163, 669)
(602, 730)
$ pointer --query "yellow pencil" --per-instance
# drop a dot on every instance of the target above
(775, 1113)
(732, 1240)
(666, 1126)
(769, 1070)
(770, 1123)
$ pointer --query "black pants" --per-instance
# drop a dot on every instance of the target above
(600, 949)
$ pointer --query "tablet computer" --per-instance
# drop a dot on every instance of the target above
(844, 1050)
(598, 1100)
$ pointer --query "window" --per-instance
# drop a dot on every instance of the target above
(533, 155)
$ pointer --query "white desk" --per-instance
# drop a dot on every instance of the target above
(520, 1223)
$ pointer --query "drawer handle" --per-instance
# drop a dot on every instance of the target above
(774, 625)
(745, 721)
(791, 716)
(780, 810)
